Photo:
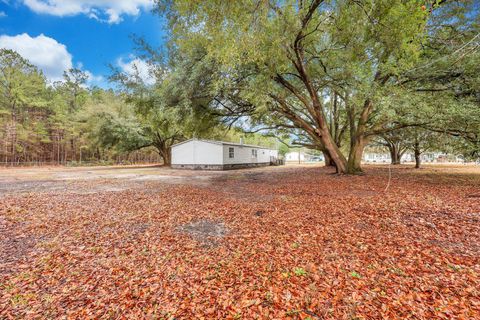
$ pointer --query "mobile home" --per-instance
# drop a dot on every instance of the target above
(220, 155)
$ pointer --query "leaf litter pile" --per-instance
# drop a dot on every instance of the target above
(296, 243)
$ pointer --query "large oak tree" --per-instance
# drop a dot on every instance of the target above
(289, 59)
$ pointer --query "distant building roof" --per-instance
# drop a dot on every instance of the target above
(223, 143)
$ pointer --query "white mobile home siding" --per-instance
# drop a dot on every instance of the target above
(197, 152)
(207, 153)
(215, 155)
(263, 155)
(243, 154)
(183, 153)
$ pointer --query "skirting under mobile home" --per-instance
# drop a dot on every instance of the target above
(198, 154)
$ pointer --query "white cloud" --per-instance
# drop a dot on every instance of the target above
(46, 53)
(112, 10)
(2, 14)
(137, 66)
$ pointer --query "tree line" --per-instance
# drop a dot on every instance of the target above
(69, 122)
(55, 123)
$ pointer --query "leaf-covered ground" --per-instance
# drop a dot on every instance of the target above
(274, 243)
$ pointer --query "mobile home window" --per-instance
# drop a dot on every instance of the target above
(231, 153)
(254, 153)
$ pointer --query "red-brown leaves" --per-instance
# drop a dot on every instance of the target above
(323, 247)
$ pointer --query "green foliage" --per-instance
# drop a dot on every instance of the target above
(164, 113)
(283, 149)
(60, 122)
(22, 101)
(299, 272)
(237, 135)
(112, 124)
(22, 85)
(286, 59)
(325, 75)
(72, 88)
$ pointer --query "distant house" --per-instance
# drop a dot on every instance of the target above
(428, 157)
(376, 157)
(219, 155)
(435, 157)
(300, 157)
(294, 156)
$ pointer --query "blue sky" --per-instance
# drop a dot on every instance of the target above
(90, 34)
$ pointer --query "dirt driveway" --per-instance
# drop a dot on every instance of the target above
(86, 180)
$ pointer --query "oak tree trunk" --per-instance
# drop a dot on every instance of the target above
(394, 154)
(358, 139)
(166, 155)
(416, 151)
(328, 160)
(354, 165)
(335, 154)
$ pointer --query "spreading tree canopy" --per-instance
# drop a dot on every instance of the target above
(288, 60)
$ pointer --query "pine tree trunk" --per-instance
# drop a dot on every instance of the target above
(73, 149)
(14, 140)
